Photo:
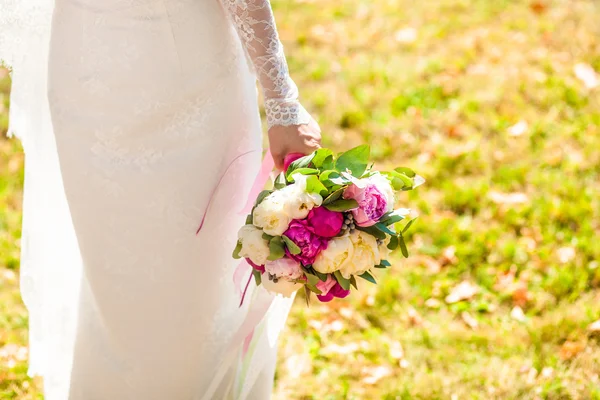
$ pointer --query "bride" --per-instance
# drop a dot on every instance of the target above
(138, 118)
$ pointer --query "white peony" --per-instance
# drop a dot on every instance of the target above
(282, 286)
(278, 209)
(298, 201)
(254, 246)
(338, 253)
(365, 256)
(272, 215)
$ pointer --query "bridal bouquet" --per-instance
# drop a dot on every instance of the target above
(328, 220)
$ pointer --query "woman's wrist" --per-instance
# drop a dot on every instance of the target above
(285, 113)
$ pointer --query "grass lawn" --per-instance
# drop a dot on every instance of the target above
(497, 104)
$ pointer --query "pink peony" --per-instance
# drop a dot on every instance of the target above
(325, 223)
(284, 268)
(304, 236)
(375, 197)
(326, 286)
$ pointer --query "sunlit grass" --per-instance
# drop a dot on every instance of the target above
(482, 98)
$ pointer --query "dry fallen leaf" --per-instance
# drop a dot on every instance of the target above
(517, 314)
(538, 7)
(342, 350)
(566, 254)
(547, 372)
(594, 327)
(518, 129)
(520, 294)
(433, 303)
(463, 291)
(432, 265)
(508, 198)
(406, 35)
(469, 320)
(570, 349)
(587, 75)
(375, 374)
(396, 351)
(449, 256)
(414, 317)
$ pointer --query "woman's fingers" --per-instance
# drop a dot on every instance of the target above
(286, 140)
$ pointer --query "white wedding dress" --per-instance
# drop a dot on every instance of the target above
(130, 112)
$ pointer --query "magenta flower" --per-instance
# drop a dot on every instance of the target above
(290, 158)
(304, 236)
(325, 223)
(259, 268)
(375, 197)
(335, 291)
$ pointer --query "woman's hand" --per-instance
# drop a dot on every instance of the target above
(285, 140)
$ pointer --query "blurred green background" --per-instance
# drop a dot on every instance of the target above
(497, 104)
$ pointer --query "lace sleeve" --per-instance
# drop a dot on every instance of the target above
(255, 24)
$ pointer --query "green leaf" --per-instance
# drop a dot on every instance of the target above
(314, 185)
(280, 181)
(397, 183)
(307, 294)
(373, 231)
(333, 197)
(384, 229)
(262, 195)
(344, 283)
(403, 247)
(367, 276)
(276, 248)
(408, 225)
(393, 244)
(249, 219)
(236, 251)
(330, 177)
(267, 237)
(292, 247)
(355, 160)
(342, 205)
(312, 279)
(353, 282)
(329, 163)
(257, 277)
(392, 217)
(408, 182)
(383, 264)
(320, 156)
(406, 171)
(303, 171)
(302, 162)
(320, 275)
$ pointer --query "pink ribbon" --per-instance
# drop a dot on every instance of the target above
(257, 313)
(259, 182)
(212, 194)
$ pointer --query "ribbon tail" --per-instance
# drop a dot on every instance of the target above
(259, 183)
(212, 194)
(247, 342)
